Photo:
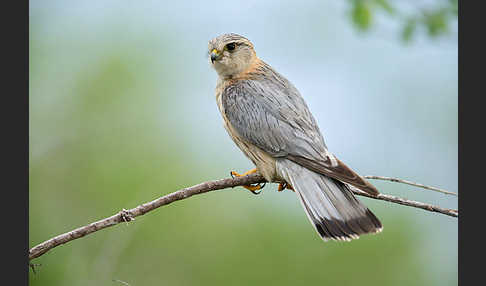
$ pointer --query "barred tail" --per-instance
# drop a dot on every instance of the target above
(330, 205)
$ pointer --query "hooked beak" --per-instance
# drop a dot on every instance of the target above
(214, 55)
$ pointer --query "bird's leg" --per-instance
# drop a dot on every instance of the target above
(283, 186)
(251, 188)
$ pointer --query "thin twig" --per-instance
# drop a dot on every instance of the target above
(122, 282)
(33, 266)
(129, 215)
(411, 184)
(406, 202)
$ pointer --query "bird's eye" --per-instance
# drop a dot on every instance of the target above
(231, 46)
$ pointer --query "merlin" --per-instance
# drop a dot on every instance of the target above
(269, 121)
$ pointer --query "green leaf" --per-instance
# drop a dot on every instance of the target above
(436, 23)
(409, 30)
(361, 15)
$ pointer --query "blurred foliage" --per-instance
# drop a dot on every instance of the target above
(434, 20)
(106, 157)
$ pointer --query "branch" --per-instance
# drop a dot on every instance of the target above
(405, 202)
(129, 215)
(410, 183)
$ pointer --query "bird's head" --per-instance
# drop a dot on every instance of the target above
(231, 54)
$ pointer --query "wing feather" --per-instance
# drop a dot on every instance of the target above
(270, 113)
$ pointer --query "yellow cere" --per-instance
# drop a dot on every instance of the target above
(214, 51)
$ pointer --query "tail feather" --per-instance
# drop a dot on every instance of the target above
(329, 204)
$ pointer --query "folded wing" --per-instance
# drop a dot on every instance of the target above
(271, 114)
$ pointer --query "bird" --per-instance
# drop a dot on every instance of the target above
(268, 119)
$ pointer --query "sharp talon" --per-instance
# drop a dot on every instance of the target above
(290, 187)
(283, 186)
(253, 188)
(258, 187)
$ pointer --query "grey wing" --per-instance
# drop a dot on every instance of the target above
(272, 115)
(277, 122)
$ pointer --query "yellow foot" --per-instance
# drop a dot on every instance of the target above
(283, 186)
(234, 174)
(251, 188)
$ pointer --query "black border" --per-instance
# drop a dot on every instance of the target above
(470, 153)
(15, 142)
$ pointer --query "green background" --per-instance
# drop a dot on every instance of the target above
(122, 111)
